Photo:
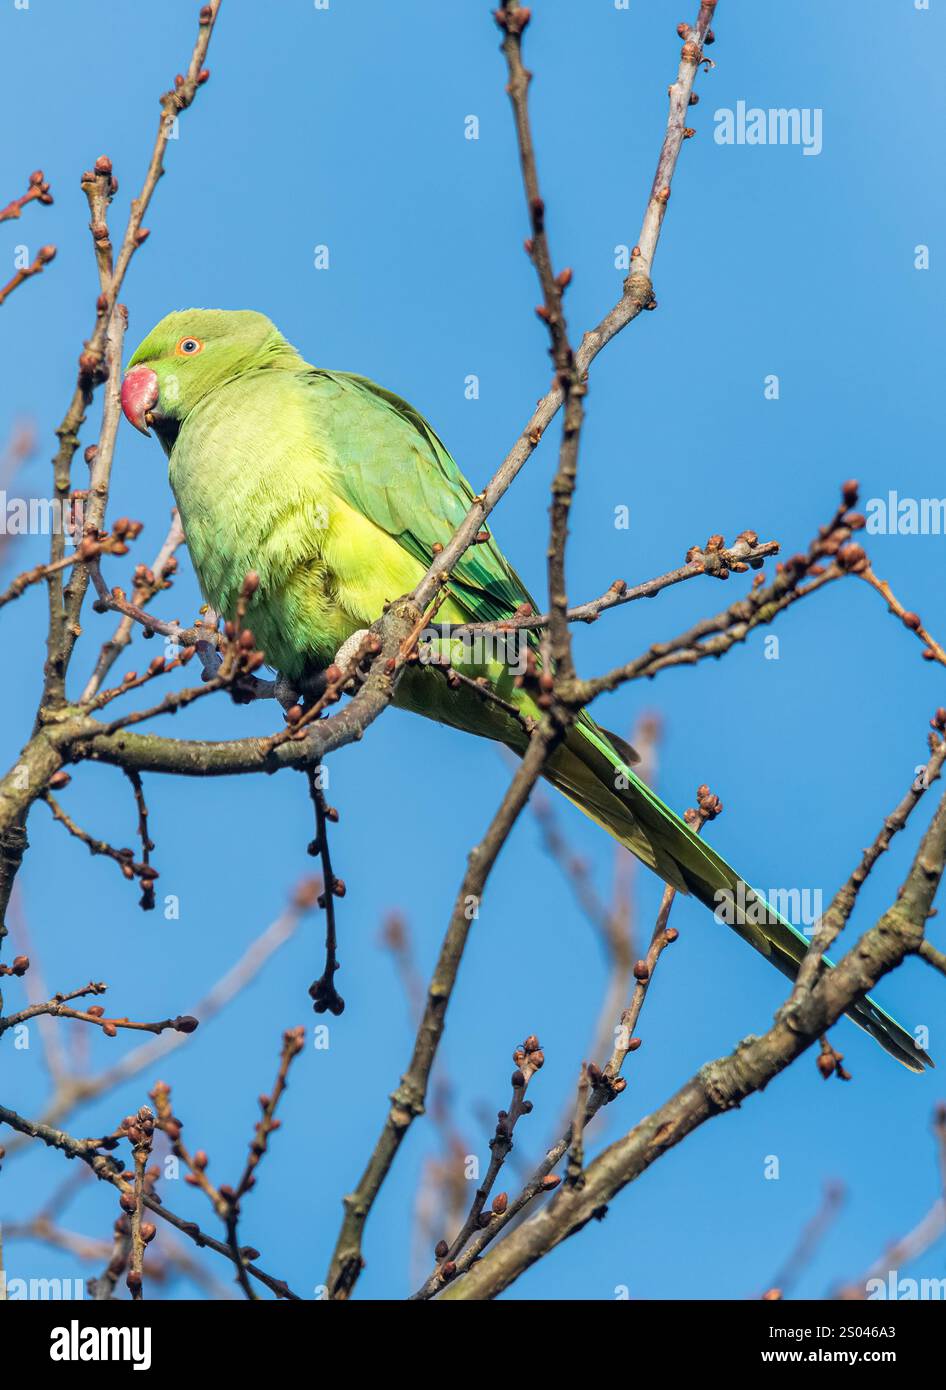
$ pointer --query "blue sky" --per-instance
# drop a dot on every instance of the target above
(345, 127)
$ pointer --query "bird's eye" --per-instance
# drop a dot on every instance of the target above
(187, 347)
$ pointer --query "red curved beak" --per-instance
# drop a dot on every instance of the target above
(139, 395)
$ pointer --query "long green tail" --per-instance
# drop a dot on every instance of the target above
(592, 773)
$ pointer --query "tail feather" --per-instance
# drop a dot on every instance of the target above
(592, 773)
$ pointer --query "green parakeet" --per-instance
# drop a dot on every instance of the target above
(335, 491)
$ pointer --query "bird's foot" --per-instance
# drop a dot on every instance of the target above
(310, 687)
(286, 692)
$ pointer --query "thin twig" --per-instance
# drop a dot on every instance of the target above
(152, 581)
(843, 902)
(529, 1059)
(139, 1135)
(931, 648)
(324, 995)
(124, 858)
(744, 553)
(38, 189)
(44, 255)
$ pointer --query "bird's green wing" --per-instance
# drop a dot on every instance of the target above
(394, 469)
(397, 472)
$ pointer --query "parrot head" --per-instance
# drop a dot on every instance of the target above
(190, 353)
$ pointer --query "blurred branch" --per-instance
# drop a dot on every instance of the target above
(72, 1091)
(395, 937)
(19, 449)
(809, 1240)
(916, 1242)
